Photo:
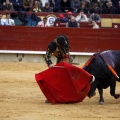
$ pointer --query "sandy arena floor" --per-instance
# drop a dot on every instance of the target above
(21, 98)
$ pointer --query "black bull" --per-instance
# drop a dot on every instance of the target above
(98, 65)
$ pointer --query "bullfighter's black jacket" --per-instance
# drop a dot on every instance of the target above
(59, 52)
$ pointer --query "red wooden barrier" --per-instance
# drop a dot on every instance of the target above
(37, 39)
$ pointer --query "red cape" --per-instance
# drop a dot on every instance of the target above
(64, 83)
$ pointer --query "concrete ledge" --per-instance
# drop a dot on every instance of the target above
(22, 52)
(38, 56)
(81, 53)
(41, 52)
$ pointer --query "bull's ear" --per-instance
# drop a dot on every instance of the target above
(93, 79)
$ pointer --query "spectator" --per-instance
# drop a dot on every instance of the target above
(43, 23)
(69, 15)
(52, 3)
(17, 5)
(96, 8)
(98, 2)
(95, 26)
(27, 5)
(115, 3)
(55, 4)
(36, 7)
(65, 6)
(7, 5)
(95, 16)
(62, 18)
(86, 2)
(16, 19)
(81, 17)
(109, 9)
(22, 16)
(39, 2)
(75, 5)
(118, 8)
(84, 8)
(0, 18)
(47, 8)
(105, 3)
(33, 20)
(1, 8)
(8, 21)
(72, 23)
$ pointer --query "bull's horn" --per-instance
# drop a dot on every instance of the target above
(93, 79)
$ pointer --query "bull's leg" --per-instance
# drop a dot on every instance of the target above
(101, 101)
(92, 90)
(112, 89)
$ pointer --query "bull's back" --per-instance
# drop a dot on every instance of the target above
(112, 57)
(99, 69)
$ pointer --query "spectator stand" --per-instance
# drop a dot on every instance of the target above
(107, 20)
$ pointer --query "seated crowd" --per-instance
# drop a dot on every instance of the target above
(64, 6)
(79, 7)
(22, 19)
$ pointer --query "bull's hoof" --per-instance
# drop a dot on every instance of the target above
(93, 94)
(117, 96)
(101, 102)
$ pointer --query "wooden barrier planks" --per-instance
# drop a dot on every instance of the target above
(37, 39)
